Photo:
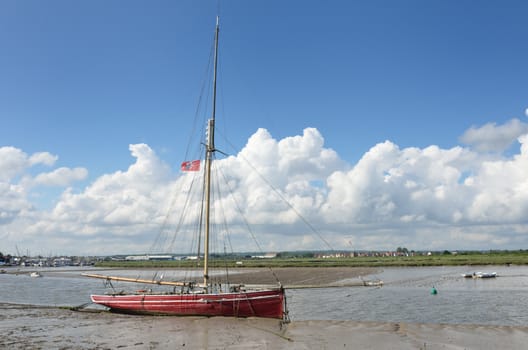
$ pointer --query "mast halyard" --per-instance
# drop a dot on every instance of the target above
(210, 149)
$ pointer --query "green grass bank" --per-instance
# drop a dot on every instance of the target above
(292, 260)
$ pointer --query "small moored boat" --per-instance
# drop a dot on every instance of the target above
(485, 275)
(480, 275)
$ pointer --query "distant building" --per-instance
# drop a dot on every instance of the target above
(137, 258)
(148, 257)
(265, 256)
(160, 257)
(58, 262)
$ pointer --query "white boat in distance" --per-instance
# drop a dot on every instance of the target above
(480, 275)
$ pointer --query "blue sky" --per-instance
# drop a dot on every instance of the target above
(81, 81)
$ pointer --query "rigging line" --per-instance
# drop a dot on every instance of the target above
(247, 223)
(222, 228)
(220, 207)
(212, 225)
(200, 103)
(223, 215)
(194, 237)
(197, 231)
(232, 194)
(221, 98)
(160, 242)
(184, 210)
(220, 217)
(201, 218)
(226, 226)
(314, 230)
(225, 265)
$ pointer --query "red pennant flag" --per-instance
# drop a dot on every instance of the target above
(192, 165)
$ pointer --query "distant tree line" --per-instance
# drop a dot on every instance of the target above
(6, 259)
(402, 250)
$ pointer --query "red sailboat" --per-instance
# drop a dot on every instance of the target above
(192, 298)
(265, 303)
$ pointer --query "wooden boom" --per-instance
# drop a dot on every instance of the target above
(137, 280)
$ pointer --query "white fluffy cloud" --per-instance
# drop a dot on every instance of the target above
(428, 198)
(491, 137)
(289, 166)
(14, 181)
(12, 202)
(60, 177)
(115, 202)
(14, 162)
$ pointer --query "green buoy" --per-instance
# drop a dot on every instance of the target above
(434, 291)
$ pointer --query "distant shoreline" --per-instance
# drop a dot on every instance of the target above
(374, 259)
(377, 261)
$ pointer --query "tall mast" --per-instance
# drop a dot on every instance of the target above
(208, 160)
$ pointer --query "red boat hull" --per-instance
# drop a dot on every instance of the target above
(268, 303)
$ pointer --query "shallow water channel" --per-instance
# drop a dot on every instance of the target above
(405, 296)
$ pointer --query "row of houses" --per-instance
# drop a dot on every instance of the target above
(332, 255)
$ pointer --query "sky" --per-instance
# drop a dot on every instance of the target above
(382, 123)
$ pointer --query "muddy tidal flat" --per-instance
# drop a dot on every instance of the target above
(403, 314)
(32, 327)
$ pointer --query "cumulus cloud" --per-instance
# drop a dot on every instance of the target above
(60, 177)
(422, 198)
(13, 201)
(44, 158)
(494, 138)
(431, 184)
(391, 196)
(14, 161)
(119, 199)
(500, 189)
(268, 171)
(394, 185)
(16, 181)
